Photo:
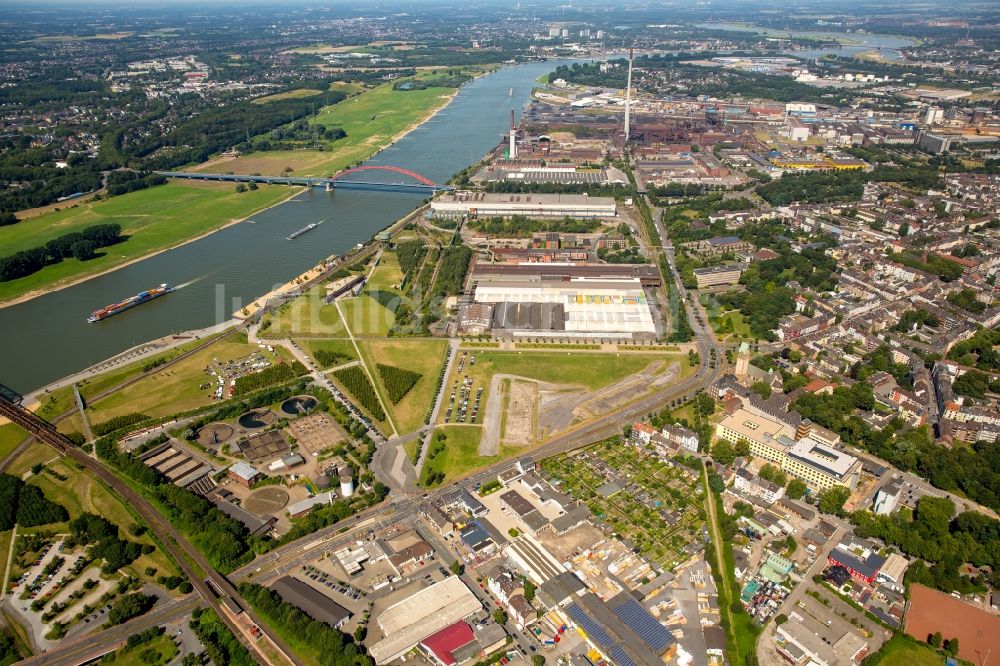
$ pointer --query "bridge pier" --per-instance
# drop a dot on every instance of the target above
(329, 186)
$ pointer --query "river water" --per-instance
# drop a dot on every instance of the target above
(48, 337)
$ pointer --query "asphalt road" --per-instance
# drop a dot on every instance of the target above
(402, 510)
(92, 646)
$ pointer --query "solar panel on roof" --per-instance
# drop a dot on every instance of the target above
(637, 618)
(620, 657)
(590, 626)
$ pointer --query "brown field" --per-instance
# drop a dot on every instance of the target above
(271, 163)
(977, 631)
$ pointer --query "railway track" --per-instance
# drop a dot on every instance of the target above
(210, 585)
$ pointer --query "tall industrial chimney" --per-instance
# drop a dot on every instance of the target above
(512, 151)
(628, 98)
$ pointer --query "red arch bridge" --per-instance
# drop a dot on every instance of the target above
(338, 181)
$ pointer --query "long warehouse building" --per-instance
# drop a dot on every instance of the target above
(411, 620)
(486, 204)
(579, 307)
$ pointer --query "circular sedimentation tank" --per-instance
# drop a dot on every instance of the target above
(215, 434)
(298, 405)
(258, 418)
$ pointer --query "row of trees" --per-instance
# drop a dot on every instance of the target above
(454, 265)
(117, 423)
(80, 245)
(224, 541)
(355, 381)
(330, 646)
(275, 374)
(519, 226)
(410, 254)
(123, 182)
(397, 381)
(221, 645)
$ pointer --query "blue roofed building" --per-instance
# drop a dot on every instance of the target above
(622, 630)
(477, 538)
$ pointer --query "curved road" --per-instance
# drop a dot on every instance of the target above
(403, 509)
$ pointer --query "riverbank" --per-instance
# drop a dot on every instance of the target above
(368, 148)
(131, 211)
(157, 347)
(373, 121)
(226, 270)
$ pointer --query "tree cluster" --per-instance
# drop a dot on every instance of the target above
(81, 245)
(221, 646)
(26, 505)
(942, 540)
(102, 535)
(332, 647)
(129, 606)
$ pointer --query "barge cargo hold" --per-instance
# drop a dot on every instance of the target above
(130, 302)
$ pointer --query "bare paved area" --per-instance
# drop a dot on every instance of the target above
(510, 413)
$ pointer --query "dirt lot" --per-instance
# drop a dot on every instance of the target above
(519, 423)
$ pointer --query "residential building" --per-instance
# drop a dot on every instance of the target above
(887, 497)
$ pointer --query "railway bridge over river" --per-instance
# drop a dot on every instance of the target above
(334, 182)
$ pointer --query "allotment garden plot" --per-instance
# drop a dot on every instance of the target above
(654, 505)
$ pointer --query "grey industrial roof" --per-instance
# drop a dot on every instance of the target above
(571, 519)
(517, 502)
(529, 316)
(534, 520)
(310, 601)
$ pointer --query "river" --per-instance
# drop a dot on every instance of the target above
(48, 338)
(888, 45)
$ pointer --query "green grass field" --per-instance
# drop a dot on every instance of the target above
(461, 454)
(366, 317)
(592, 371)
(370, 119)
(160, 650)
(306, 315)
(94, 386)
(387, 275)
(423, 356)
(730, 324)
(374, 117)
(10, 436)
(153, 219)
(904, 651)
(291, 94)
(180, 383)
